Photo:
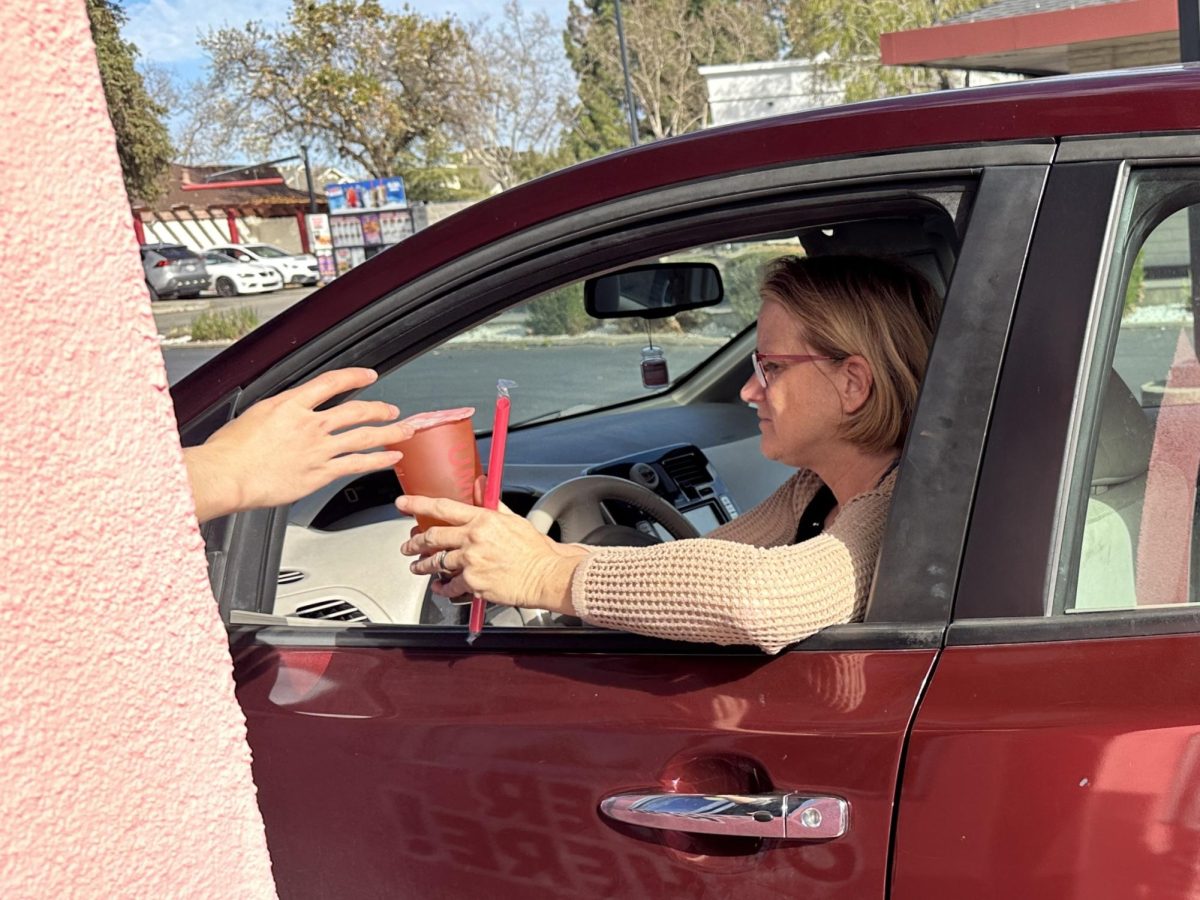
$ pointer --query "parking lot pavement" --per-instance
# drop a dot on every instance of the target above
(170, 314)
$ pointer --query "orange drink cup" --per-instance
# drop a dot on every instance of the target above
(440, 459)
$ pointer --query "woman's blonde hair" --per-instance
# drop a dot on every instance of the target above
(881, 310)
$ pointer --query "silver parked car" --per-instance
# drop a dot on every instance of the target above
(173, 271)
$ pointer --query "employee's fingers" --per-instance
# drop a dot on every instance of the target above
(358, 412)
(367, 437)
(362, 463)
(329, 384)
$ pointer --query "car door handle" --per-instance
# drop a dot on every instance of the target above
(791, 817)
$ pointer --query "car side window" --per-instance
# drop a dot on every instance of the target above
(564, 363)
(1139, 544)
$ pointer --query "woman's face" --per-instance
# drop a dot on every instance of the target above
(800, 410)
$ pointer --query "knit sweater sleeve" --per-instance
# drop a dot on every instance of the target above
(773, 522)
(726, 590)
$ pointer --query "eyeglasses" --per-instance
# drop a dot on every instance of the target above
(762, 371)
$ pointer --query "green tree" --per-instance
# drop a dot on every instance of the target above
(599, 117)
(845, 34)
(433, 170)
(560, 311)
(143, 142)
(667, 42)
(371, 87)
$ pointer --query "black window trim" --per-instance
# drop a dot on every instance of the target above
(1093, 624)
(1010, 540)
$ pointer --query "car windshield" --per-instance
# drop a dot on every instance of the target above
(565, 362)
(267, 251)
(218, 259)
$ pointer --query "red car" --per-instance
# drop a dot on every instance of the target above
(1019, 713)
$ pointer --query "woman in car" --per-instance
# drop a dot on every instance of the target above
(842, 348)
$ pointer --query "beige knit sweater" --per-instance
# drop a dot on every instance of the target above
(745, 583)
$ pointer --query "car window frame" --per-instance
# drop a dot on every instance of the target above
(1061, 344)
(1136, 220)
(354, 342)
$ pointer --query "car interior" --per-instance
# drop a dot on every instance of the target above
(666, 465)
(1142, 465)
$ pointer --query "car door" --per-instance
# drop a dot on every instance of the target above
(400, 760)
(1056, 753)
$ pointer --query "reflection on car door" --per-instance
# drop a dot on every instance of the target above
(393, 770)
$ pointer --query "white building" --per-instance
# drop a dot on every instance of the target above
(743, 91)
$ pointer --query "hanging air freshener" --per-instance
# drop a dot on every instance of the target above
(654, 364)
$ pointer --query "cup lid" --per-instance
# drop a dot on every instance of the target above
(436, 417)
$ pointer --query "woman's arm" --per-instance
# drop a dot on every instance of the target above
(727, 593)
(697, 590)
(772, 523)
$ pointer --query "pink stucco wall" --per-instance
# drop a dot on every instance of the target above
(124, 769)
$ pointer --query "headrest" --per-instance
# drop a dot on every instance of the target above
(924, 244)
(1123, 451)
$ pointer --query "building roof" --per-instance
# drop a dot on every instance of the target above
(264, 199)
(1044, 37)
(1004, 9)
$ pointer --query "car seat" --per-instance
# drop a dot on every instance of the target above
(1107, 574)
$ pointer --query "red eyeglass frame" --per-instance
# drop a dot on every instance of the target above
(756, 360)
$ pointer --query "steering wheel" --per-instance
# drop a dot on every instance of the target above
(575, 505)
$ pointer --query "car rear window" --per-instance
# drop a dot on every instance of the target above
(176, 253)
(266, 251)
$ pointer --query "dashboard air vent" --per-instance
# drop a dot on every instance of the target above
(331, 611)
(686, 468)
(290, 576)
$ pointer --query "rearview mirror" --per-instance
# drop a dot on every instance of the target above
(653, 291)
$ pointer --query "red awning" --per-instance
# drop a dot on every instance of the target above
(1085, 38)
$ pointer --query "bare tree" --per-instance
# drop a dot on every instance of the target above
(843, 36)
(160, 86)
(518, 106)
(668, 41)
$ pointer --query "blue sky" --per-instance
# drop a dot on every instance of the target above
(165, 31)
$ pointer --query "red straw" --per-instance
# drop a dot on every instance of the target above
(491, 493)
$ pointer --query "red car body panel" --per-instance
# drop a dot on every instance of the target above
(1053, 771)
(1149, 100)
(481, 773)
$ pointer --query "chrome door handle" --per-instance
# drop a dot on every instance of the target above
(790, 817)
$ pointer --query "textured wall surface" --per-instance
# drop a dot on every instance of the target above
(124, 769)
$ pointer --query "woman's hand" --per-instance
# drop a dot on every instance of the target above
(495, 554)
(283, 448)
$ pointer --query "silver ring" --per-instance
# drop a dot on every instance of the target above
(440, 563)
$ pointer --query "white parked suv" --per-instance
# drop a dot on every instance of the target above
(293, 268)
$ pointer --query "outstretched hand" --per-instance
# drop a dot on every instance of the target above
(496, 554)
(283, 448)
